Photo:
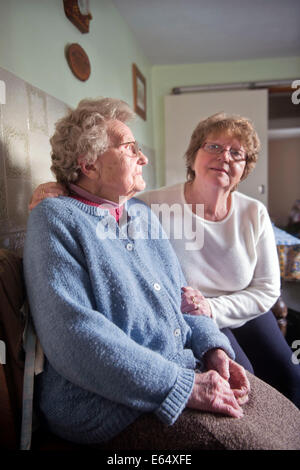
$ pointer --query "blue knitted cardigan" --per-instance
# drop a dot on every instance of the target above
(105, 301)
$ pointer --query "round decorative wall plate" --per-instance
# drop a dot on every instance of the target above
(79, 62)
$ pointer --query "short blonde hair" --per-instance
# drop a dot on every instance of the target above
(83, 132)
(220, 123)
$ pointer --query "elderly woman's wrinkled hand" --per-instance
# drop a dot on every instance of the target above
(213, 393)
(229, 370)
(46, 190)
(194, 303)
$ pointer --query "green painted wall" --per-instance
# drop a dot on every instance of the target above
(33, 36)
(164, 78)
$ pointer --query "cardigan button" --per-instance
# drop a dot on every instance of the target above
(129, 247)
(177, 332)
(156, 286)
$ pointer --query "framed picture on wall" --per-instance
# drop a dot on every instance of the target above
(139, 92)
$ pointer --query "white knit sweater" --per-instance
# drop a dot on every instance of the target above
(233, 262)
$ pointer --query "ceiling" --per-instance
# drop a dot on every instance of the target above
(194, 31)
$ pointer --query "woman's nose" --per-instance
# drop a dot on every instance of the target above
(225, 154)
(143, 160)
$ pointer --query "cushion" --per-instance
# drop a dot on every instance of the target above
(270, 422)
(288, 249)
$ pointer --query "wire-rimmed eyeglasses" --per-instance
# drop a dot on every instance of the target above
(132, 146)
(236, 155)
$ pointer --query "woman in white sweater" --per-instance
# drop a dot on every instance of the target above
(225, 243)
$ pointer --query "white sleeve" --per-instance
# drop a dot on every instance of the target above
(235, 309)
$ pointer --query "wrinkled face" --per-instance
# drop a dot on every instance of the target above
(120, 169)
(219, 170)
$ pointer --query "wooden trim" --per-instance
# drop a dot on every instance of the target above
(139, 92)
(280, 89)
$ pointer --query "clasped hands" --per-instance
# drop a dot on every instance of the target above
(225, 386)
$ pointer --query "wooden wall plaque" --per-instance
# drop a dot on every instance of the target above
(73, 13)
(78, 61)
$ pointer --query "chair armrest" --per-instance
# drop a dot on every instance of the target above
(280, 312)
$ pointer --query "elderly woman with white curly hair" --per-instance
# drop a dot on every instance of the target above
(120, 358)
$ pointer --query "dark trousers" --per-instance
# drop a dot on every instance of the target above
(261, 348)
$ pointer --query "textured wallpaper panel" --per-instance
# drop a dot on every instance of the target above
(26, 124)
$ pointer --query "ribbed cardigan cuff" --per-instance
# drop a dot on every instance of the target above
(217, 341)
(176, 400)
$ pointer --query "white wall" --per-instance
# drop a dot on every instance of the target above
(284, 177)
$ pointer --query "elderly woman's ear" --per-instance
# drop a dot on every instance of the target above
(90, 170)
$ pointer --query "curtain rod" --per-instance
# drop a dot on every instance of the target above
(232, 86)
(284, 133)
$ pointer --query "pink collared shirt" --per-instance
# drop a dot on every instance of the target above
(92, 200)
